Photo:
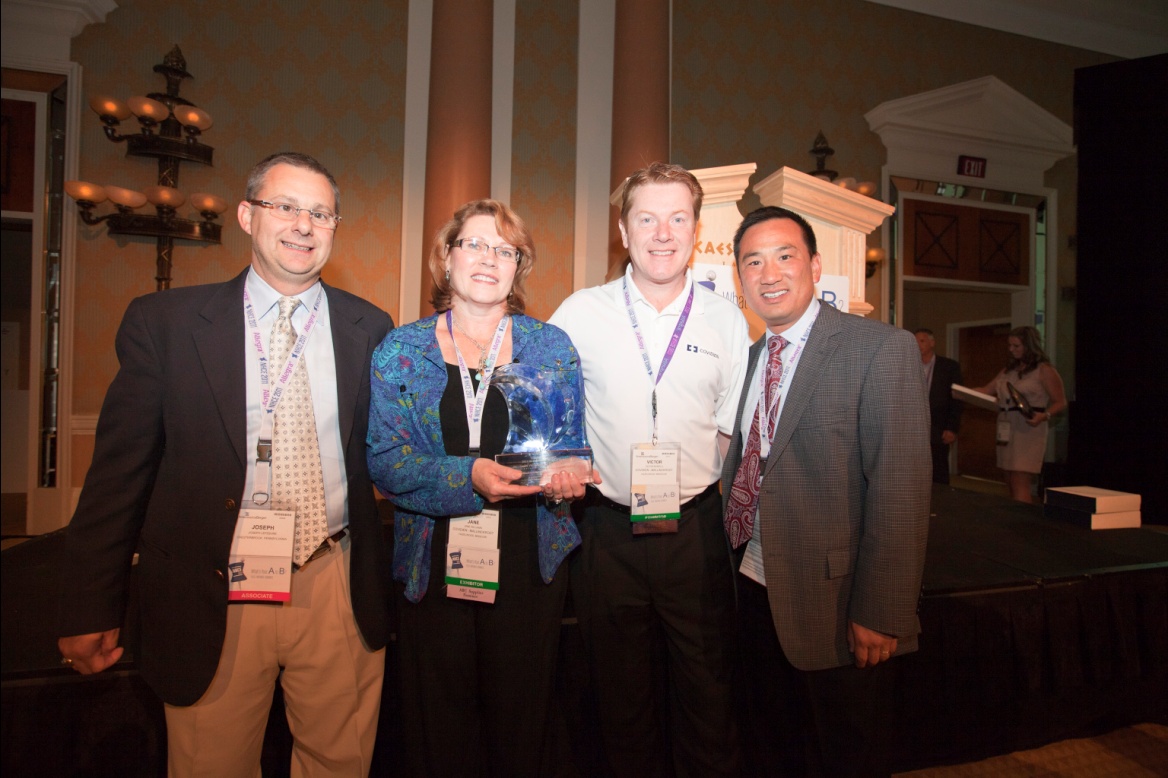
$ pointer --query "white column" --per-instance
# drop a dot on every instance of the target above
(842, 219)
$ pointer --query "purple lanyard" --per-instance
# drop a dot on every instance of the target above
(673, 341)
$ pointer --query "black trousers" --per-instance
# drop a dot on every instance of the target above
(940, 453)
(627, 588)
(477, 680)
(824, 722)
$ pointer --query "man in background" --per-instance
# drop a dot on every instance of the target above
(945, 412)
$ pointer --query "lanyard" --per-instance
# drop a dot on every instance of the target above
(673, 341)
(270, 397)
(772, 404)
(476, 401)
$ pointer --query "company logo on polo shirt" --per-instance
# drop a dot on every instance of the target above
(699, 350)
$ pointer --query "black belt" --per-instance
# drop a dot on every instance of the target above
(324, 547)
(613, 505)
(1016, 408)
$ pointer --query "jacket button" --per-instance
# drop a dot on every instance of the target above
(219, 573)
(229, 504)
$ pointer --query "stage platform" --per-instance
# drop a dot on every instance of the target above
(1033, 631)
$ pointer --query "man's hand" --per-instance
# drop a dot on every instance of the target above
(869, 647)
(566, 486)
(493, 481)
(91, 653)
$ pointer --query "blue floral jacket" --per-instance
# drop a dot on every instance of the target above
(407, 457)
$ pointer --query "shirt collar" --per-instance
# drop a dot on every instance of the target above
(674, 306)
(264, 298)
(795, 333)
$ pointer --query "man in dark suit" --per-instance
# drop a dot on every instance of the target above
(192, 428)
(826, 494)
(945, 412)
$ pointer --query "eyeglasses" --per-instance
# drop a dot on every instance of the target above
(288, 212)
(479, 247)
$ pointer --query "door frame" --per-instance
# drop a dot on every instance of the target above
(50, 508)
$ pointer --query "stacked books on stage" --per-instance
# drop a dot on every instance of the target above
(1092, 507)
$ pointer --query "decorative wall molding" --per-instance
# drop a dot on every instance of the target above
(84, 424)
(44, 29)
(925, 133)
(1130, 29)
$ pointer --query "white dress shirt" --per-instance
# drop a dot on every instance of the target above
(321, 364)
(752, 559)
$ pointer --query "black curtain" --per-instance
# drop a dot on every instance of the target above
(1119, 432)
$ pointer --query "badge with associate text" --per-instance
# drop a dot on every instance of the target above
(260, 564)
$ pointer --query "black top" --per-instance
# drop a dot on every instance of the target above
(456, 434)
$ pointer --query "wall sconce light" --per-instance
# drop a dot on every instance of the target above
(821, 151)
(169, 130)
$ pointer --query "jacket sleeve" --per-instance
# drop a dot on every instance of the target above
(99, 542)
(407, 461)
(894, 424)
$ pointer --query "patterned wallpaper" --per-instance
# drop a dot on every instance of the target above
(752, 82)
(328, 80)
(543, 162)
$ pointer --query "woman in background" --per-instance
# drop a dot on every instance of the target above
(1022, 439)
(476, 677)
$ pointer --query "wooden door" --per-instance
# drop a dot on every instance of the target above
(982, 353)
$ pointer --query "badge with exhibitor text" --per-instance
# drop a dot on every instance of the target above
(655, 496)
(260, 565)
(472, 557)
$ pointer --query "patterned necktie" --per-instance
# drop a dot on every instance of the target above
(296, 473)
(743, 503)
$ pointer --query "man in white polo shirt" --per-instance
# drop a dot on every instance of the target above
(663, 360)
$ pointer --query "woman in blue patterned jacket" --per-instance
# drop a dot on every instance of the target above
(477, 662)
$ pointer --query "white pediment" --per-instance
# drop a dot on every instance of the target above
(926, 132)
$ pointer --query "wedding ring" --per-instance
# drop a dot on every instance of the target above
(66, 661)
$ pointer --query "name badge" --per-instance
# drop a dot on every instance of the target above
(655, 496)
(260, 563)
(472, 557)
(1003, 432)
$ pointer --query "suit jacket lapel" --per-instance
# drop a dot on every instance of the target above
(350, 351)
(821, 344)
(219, 340)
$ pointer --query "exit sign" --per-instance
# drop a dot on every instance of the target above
(974, 167)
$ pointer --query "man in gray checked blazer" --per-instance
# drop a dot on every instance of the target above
(828, 522)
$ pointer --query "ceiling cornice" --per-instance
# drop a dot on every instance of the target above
(1122, 28)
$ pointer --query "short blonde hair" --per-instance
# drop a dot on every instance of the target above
(512, 229)
(661, 173)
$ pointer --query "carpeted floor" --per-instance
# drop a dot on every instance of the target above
(1131, 752)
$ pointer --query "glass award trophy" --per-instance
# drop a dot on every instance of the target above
(540, 417)
(1019, 401)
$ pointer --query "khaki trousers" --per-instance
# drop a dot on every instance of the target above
(331, 683)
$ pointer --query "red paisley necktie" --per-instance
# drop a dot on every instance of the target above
(743, 503)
